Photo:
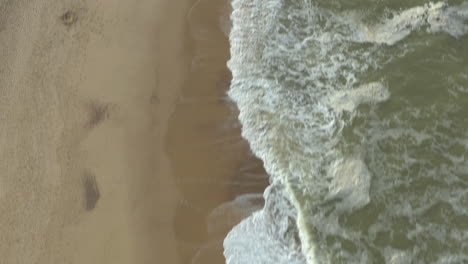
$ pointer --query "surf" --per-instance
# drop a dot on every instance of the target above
(351, 149)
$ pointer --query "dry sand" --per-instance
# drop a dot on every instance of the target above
(86, 89)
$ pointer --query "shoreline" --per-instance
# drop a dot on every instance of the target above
(213, 164)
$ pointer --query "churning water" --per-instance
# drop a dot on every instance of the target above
(359, 110)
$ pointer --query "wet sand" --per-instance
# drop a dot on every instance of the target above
(212, 163)
(92, 170)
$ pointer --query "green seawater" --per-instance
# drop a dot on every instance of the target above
(359, 109)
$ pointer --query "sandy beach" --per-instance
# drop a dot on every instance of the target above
(117, 141)
(86, 90)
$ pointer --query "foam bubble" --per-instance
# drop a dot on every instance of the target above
(350, 184)
(437, 16)
(393, 256)
(348, 100)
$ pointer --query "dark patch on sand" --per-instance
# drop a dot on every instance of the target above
(7, 10)
(224, 81)
(97, 113)
(69, 18)
(154, 99)
(91, 190)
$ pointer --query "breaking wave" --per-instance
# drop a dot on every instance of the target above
(360, 113)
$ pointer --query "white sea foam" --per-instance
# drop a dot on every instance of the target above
(438, 17)
(266, 236)
(231, 213)
(348, 100)
(393, 256)
(298, 71)
(350, 184)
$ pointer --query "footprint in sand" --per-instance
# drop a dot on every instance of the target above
(91, 190)
(69, 18)
(97, 113)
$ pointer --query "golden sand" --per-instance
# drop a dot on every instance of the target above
(93, 94)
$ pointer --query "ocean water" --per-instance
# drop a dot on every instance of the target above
(359, 111)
